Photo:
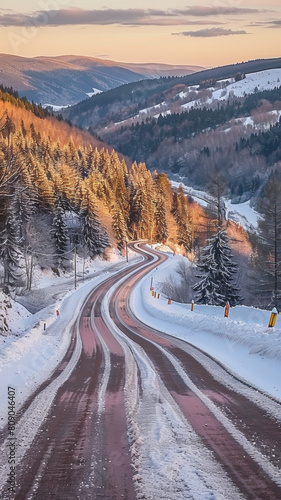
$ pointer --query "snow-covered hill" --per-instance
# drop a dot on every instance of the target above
(224, 89)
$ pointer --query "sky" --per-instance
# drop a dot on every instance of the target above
(206, 34)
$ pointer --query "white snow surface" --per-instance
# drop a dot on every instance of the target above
(95, 92)
(241, 213)
(261, 80)
(243, 342)
(55, 107)
(258, 81)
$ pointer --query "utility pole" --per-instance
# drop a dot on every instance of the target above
(75, 268)
(126, 244)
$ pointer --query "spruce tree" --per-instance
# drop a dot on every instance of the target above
(216, 280)
(181, 214)
(119, 227)
(95, 237)
(10, 246)
(60, 234)
(269, 261)
(161, 229)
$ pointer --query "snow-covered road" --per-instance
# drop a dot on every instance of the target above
(131, 412)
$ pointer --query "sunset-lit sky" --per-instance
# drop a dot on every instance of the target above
(179, 32)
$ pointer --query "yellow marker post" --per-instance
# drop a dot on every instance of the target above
(192, 305)
(152, 293)
(158, 296)
(226, 310)
(273, 318)
(169, 301)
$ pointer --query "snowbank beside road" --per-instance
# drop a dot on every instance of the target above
(28, 359)
(242, 342)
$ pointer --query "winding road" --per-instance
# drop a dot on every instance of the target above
(143, 415)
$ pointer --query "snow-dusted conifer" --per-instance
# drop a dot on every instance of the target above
(269, 261)
(161, 229)
(119, 227)
(94, 237)
(10, 247)
(216, 285)
(60, 234)
(181, 214)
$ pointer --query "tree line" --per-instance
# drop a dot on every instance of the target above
(8, 94)
(55, 198)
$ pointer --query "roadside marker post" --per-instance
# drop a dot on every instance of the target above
(169, 301)
(192, 305)
(127, 256)
(152, 293)
(273, 318)
(226, 310)
(158, 296)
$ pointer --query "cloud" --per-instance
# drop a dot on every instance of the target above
(274, 24)
(266, 24)
(199, 11)
(125, 17)
(211, 32)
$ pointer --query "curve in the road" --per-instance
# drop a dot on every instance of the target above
(254, 468)
(82, 449)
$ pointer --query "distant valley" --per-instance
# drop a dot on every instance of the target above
(190, 126)
(219, 120)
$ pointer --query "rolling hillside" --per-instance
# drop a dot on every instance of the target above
(192, 130)
(66, 80)
(127, 101)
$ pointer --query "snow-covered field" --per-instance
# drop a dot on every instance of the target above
(222, 91)
(242, 342)
(253, 82)
(242, 213)
(94, 92)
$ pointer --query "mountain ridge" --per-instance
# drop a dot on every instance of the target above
(122, 103)
(67, 79)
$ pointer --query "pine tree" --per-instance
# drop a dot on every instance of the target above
(60, 234)
(24, 206)
(216, 285)
(119, 227)
(270, 247)
(94, 236)
(184, 236)
(217, 188)
(160, 228)
(10, 247)
(180, 212)
(71, 154)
